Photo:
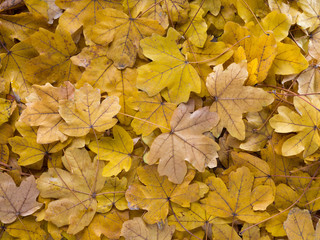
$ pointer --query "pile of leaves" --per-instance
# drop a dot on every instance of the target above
(160, 119)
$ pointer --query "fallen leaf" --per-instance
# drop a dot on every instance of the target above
(124, 32)
(156, 194)
(73, 190)
(178, 77)
(299, 225)
(231, 99)
(43, 111)
(17, 201)
(235, 202)
(185, 142)
(86, 113)
(116, 150)
(136, 229)
(305, 123)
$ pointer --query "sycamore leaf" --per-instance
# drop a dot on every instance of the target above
(250, 8)
(278, 23)
(261, 52)
(305, 123)
(108, 224)
(280, 166)
(86, 113)
(148, 8)
(53, 65)
(299, 225)
(74, 190)
(212, 6)
(153, 111)
(288, 60)
(185, 142)
(44, 8)
(101, 73)
(27, 147)
(116, 199)
(224, 232)
(195, 28)
(6, 109)
(309, 79)
(21, 26)
(212, 53)
(17, 201)
(192, 218)
(13, 68)
(83, 13)
(125, 33)
(116, 150)
(237, 201)
(309, 18)
(26, 229)
(156, 194)
(258, 167)
(136, 229)
(43, 111)
(232, 99)
(314, 44)
(178, 77)
(177, 10)
(258, 132)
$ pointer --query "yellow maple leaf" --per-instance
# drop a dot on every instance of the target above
(115, 198)
(86, 113)
(116, 150)
(152, 9)
(14, 70)
(152, 113)
(21, 26)
(74, 190)
(106, 224)
(29, 150)
(305, 123)
(157, 193)
(17, 201)
(6, 109)
(231, 99)
(43, 111)
(185, 142)
(83, 13)
(236, 202)
(44, 9)
(26, 228)
(53, 65)
(178, 77)
(195, 28)
(288, 60)
(136, 229)
(101, 73)
(192, 218)
(124, 32)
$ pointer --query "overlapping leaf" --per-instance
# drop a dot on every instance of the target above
(17, 201)
(156, 193)
(86, 113)
(305, 123)
(74, 190)
(231, 99)
(169, 70)
(185, 142)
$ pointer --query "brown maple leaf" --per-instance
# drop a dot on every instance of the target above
(17, 201)
(185, 142)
